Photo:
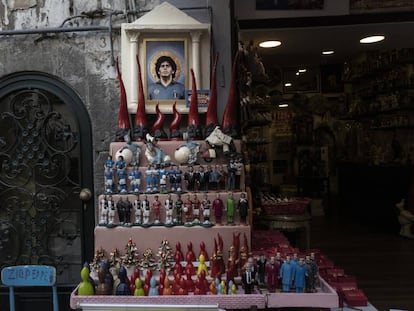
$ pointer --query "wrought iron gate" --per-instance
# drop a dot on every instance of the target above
(42, 170)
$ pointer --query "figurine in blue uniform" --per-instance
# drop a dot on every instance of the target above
(135, 180)
(122, 184)
(109, 175)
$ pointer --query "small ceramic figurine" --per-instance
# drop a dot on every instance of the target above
(190, 178)
(109, 176)
(150, 174)
(187, 209)
(139, 291)
(156, 208)
(286, 274)
(146, 211)
(300, 275)
(248, 277)
(120, 207)
(243, 207)
(120, 163)
(230, 205)
(174, 176)
(111, 213)
(109, 163)
(104, 211)
(179, 209)
(122, 184)
(223, 177)
(122, 289)
(214, 177)
(137, 211)
(135, 180)
(153, 291)
(128, 208)
(218, 207)
(206, 207)
(272, 274)
(202, 178)
(239, 169)
(231, 175)
(154, 154)
(196, 209)
(85, 287)
(169, 208)
(261, 268)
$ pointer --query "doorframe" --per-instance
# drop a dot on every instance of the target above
(43, 81)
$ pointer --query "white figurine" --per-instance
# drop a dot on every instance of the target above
(137, 211)
(406, 219)
(104, 211)
(169, 208)
(146, 210)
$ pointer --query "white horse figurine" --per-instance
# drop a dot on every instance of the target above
(153, 153)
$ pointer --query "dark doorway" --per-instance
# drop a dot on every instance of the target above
(45, 161)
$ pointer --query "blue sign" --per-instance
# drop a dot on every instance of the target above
(29, 276)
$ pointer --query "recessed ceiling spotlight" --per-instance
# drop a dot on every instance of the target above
(372, 39)
(328, 52)
(302, 70)
(270, 44)
(287, 84)
(283, 105)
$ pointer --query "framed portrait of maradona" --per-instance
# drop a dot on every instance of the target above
(166, 69)
(168, 43)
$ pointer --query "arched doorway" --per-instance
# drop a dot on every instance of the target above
(45, 161)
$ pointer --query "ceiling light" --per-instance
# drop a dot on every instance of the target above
(328, 52)
(269, 44)
(287, 84)
(283, 105)
(302, 70)
(372, 39)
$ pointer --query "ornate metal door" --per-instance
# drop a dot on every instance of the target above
(43, 129)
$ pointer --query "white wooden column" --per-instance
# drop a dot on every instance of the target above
(133, 39)
(195, 47)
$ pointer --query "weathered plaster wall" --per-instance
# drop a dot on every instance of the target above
(83, 59)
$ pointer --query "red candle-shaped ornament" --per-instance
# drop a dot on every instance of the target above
(140, 129)
(175, 124)
(158, 126)
(229, 122)
(124, 126)
(211, 115)
(193, 124)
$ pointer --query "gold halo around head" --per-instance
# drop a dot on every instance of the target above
(174, 57)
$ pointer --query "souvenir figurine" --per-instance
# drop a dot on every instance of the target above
(217, 262)
(272, 274)
(85, 287)
(124, 125)
(261, 269)
(300, 275)
(104, 211)
(120, 163)
(139, 291)
(169, 208)
(187, 209)
(210, 181)
(135, 179)
(128, 208)
(120, 208)
(167, 291)
(248, 278)
(230, 205)
(189, 177)
(223, 178)
(158, 126)
(196, 209)
(206, 207)
(201, 284)
(141, 125)
(137, 211)
(111, 212)
(175, 176)
(163, 184)
(190, 256)
(146, 211)
(156, 208)
(153, 291)
(286, 274)
(122, 184)
(122, 288)
(218, 138)
(154, 154)
(243, 207)
(203, 251)
(214, 178)
(231, 175)
(179, 209)
(218, 207)
(232, 264)
(244, 252)
(202, 179)
(109, 163)
(150, 178)
(103, 287)
(109, 175)
(239, 169)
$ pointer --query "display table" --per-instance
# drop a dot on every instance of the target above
(326, 297)
(289, 223)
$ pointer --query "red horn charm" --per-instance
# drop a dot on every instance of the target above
(193, 125)
(175, 125)
(211, 115)
(229, 122)
(141, 128)
(124, 124)
(158, 126)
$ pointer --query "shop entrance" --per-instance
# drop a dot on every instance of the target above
(45, 164)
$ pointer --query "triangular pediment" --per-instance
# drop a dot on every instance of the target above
(167, 16)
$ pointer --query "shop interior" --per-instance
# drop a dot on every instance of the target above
(335, 116)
